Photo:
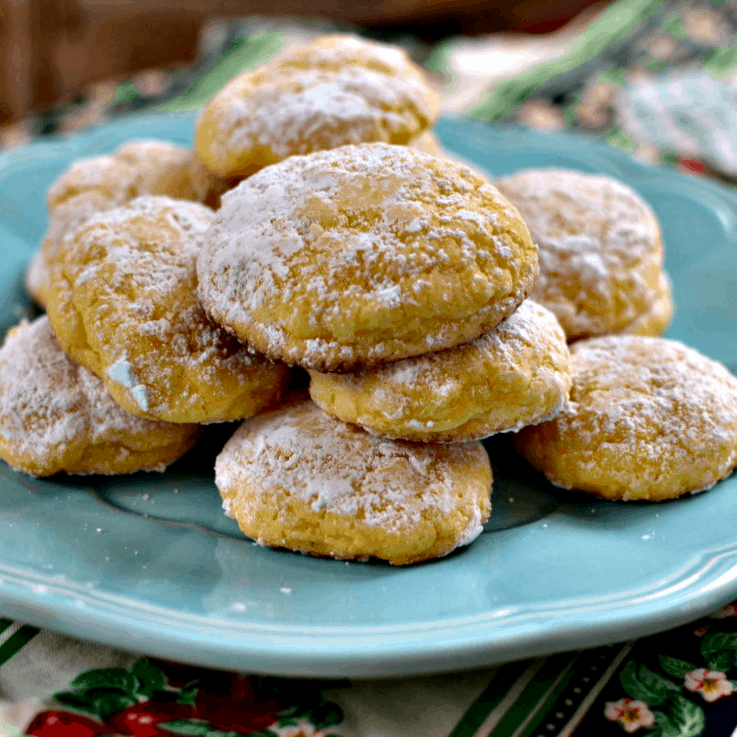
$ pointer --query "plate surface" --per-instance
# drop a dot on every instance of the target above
(149, 563)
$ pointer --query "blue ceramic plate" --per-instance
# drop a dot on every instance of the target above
(149, 562)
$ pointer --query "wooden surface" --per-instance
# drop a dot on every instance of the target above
(51, 49)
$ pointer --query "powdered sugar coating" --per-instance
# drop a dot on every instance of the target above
(364, 254)
(98, 184)
(333, 91)
(124, 304)
(648, 418)
(112, 180)
(67, 216)
(136, 168)
(298, 478)
(56, 416)
(38, 277)
(164, 168)
(655, 321)
(601, 254)
(336, 51)
(515, 375)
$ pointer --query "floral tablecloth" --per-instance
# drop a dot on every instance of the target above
(676, 684)
(658, 79)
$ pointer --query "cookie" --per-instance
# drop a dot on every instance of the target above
(601, 253)
(428, 143)
(334, 90)
(98, 184)
(38, 278)
(299, 479)
(57, 416)
(648, 418)
(518, 374)
(656, 320)
(64, 219)
(163, 168)
(124, 305)
(362, 255)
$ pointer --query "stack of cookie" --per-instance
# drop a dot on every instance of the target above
(144, 365)
(397, 278)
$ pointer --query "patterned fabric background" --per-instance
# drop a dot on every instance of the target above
(656, 78)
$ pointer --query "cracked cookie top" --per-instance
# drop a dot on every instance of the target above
(362, 255)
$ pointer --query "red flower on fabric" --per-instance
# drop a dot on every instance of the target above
(57, 723)
(229, 703)
(142, 720)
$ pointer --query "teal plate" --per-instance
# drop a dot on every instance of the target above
(149, 563)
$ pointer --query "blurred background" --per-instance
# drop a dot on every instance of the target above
(657, 78)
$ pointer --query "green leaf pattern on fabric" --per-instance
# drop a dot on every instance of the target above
(675, 667)
(110, 678)
(150, 678)
(107, 704)
(201, 729)
(678, 714)
(106, 691)
(643, 684)
(78, 703)
(145, 696)
(719, 649)
(683, 719)
(188, 695)
(187, 727)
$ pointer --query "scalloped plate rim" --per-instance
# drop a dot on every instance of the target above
(482, 639)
